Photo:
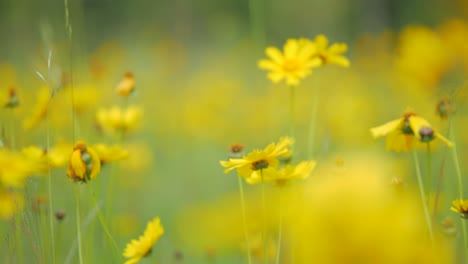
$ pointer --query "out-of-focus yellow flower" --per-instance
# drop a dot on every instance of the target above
(12, 100)
(117, 121)
(15, 168)
(36, 157)
(460, 206)
(259, 164)
(257, 247)
(127, 84)
(401, 132)
(39, 110)
(137, 249)
(332, 54)
(60, 153)
(299, 172)
(294, 64)
(10, 203)
(85, 97)
(84, 163)
(110, 153)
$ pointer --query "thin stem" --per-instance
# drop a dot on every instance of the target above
(103, 222)
(264, 233)
(49, 187)
(78, 222)
(292, 98)
(429, 168)
(423, 196)
(460, 189)
(313, 121)
(280, 228)
(244, 221)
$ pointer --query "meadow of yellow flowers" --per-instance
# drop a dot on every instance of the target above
(311, 148)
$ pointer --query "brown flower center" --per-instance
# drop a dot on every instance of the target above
(260, 164)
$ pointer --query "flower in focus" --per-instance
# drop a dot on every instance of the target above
(84, 163)
(401, 132)
(294, 64)
(332, 54)
(110, 153)
(259, 164)
(300, 172)
(127, 85)
(460, 206)
(137, 249)
(117, 121)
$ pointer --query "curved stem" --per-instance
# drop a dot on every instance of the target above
(244, 221)
(423, 196)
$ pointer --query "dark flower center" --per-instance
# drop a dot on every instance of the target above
(259, 165)
(426, 133)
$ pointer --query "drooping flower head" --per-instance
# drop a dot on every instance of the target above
(84, 163)
(294, 64)
(460, 206)
(332, 54)
(127, 85)
(401, 133)
(137, 249)
(258, 164)
(300, 171)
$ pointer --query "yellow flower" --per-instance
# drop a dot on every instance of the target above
(127, 84)
(110, 153)
(84, 163)
(332, 54)
(15, 168)
(258, 165)
(294, 64)
(401, 132)
(39, 110)
(137, 249)
(460, 206)
(36, 157)
(117, 121)
(301, 172)
(10, 203)
(59, 154)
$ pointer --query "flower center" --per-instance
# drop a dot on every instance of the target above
(259, 164)
(426, 133)
(290, 65)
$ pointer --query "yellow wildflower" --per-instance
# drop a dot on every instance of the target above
(259, 164)
(36, 157)
(137, 249)
(84, 163)
(460, 206)
(10, 203)
(39, 110)
(301, 172)
(118, 121)
(14, 169)
(59, 154)
(401, 132)
(127, 84)
(294, 64)
(332, 54)
(110, 153)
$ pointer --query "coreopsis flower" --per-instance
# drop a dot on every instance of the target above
(460, 206)
(294, 64)
(59, 154)
(10, 204)
(127, 85)
(332, 54)
(84, 163)
(259, 164)
(15, 168)
(118, 121)
(36, 157)
(39, 110)
(299, 172)
(110, 153)
(236, 150)
(401, 133)
(138, 249)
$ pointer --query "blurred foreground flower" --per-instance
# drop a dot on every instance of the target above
(110, 153)
(332, 54)
(460, 206)
(137, 249)
(84, 163)
(259, 164)
(39, 110)
(294, 64)
(401, 132)
(127, 84)
(10, 203)
(299, 172)
(117, 121)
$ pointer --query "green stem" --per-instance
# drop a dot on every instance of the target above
(78, 222)
(49, 187)
(244, 221)
(460, 189)
(313, 122)
(280, 228)
(264, 233)
(257, 21)
(429, 167)
(423, 196)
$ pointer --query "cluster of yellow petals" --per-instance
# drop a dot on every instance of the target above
(127, 85)
(460, 206)
(403, 133)
(108, 153)
(118, 121)
(137, 249)
(84, 163)
(299, 57)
